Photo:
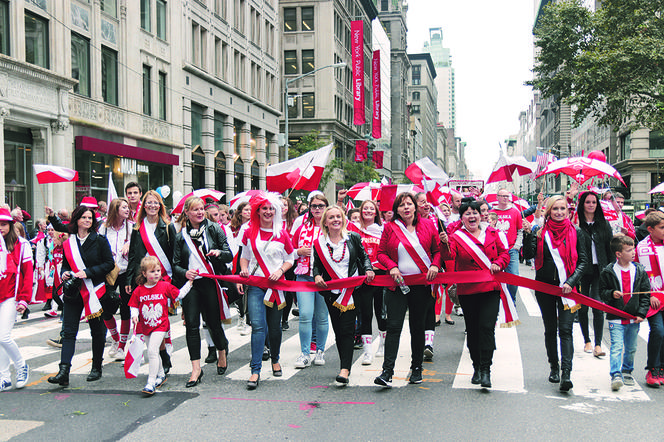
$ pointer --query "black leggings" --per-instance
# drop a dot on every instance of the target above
(203, 300)
(480, 312)
(590, 288)
(120, 283)
(343, 324)
(371, 300)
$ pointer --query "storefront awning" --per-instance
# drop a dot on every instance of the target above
(124, 150)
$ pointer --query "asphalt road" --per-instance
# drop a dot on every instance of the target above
(306, 405)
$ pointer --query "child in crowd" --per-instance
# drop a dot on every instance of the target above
(624, 285)
(493, 219)
(149, 314)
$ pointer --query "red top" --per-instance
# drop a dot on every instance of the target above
(388, 249)
(509, 222)
(152, 305)
(18, 267)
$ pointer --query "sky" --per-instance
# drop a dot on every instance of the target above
(492, 54)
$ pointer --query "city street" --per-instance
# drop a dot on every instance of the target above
(306, 405)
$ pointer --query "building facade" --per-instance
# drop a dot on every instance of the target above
(423, 98)
(442, 61)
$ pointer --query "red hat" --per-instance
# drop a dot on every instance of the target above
(5, 215)
(89, 201)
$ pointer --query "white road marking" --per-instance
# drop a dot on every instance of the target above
(528, 299)
(364, 375)
(585, 408)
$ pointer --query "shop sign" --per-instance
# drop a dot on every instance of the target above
(132, 167)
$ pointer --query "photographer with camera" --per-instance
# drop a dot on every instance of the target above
(87, 260)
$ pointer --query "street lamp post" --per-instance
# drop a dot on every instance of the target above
(288, 82)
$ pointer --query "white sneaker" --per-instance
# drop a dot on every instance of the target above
(367, 359)
(319, 359)
(5, 384)
(120, 355)
(159, 381)
(22, 375)
(381, 346)
(243, 328)
(458, 311)
(113, 350)
(302, 361)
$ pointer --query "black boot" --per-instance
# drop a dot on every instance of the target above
(485, 377)
(565, 381)
(475, 380)
(47, 305)
(212, 355)
(166, 360)
(62, 378)
(95, 373)
(554, 376)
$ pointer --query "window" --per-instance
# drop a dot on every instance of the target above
(199, 45)
(162, 95)
(36, 40)
(292, 105)
(308, 108)
(217, 56)
(290, 62)
(196, 125)
(110, 7)
(145, 15)
(255, 175)
(198, 169)
(219, 134)
(4, 27)
(80, 64)
(239, 176)
(415, 109)
(290, 19)
(416, 95)
(307, 60)
(161, 19)
(220, 8)
(109, 75)
(147, 93)
(307, 18)
(416, 75)
(384, 5)
(239, 15)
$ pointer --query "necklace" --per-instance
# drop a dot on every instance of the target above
(343, 252)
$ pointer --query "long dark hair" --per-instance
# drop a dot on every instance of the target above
(397, 202)
(236, 220)
(11, 237)
(77, 214)
(599, 219)
(291, 214)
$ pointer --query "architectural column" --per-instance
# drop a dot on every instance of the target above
(61, 154)
(261, 157)
(273, 150)
(186, 154)
(208, 146)
(229, 151)
(4, 112)
(244, 132)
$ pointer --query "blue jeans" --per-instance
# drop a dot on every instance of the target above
(513, 269)
(623, 347)
(656, 340)
(310, 303)
(264, 320)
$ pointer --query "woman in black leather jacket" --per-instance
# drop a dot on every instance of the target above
(560, 248)
(598, 250)
(205, 239)
(338, 251)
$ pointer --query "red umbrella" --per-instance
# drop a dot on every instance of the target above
(243, 197)
(581, 169)
(200, 193)
(506, 166)
(364, 191)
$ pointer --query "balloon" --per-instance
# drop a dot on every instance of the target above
(165, 191)
(177, 196)
(597, 155)
(158, 190)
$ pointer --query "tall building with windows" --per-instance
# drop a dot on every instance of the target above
(423, 97)
(442, 61)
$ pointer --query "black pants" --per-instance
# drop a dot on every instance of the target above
(371, 301)
(120, 283)
(202, 300)
(71, 319)
(557, 321)
(480, 311)
(590, 288)
(290, 296)
(430, 314)
(343, 324)
(416, 302)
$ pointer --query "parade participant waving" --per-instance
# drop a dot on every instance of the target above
(266, 251)
(201, 247)
(340, 254)
(478, 247)
(16, 276)
(561, 260)
(409, 245)
(88, 259)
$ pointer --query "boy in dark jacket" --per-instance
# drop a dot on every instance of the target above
(624, 285)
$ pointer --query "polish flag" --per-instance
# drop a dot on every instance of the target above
(54, 174)
(303, 172)
(134, 356)
(424, 168)
(610, 213)
(388, 193)
(436, 193)
(349, 205)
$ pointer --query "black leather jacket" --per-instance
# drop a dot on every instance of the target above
(638, 305)
(601, 236)
(96, 255)
(357, 259)
(165, 234)
(549, 272)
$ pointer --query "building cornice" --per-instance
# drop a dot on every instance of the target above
(31, 71)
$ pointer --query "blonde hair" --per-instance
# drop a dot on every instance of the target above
(182, 219)
(550, 202)
(148, 263)
(323, 226)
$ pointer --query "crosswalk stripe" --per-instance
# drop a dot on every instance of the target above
(528, 299)
(23, 330)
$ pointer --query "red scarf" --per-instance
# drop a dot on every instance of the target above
(563, 238)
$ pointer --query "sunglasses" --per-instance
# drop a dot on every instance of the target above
(318, 206)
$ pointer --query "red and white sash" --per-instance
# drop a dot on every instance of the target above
(271, 296)
(345, 300)
(201, 261)
(91, 304)
(652, 258)
(415, 251)
(568, 304)
(309, 233)
(154, 249)
(507, 316)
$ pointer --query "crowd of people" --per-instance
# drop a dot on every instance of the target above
(134, 258)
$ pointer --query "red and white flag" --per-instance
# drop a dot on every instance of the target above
(54, 174)
(424, 168)
(304, 172)
(134, 356)
(389, 192)
(349, 205)
(610, 213)
(436, 193)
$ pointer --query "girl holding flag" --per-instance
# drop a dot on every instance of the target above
(266, 251)
(340, 254)
(201, 247)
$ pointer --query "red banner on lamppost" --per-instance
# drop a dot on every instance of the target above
(378, 159)
(357, 53)
(375, 78)
(361, 150)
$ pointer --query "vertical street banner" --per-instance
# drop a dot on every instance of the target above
(357, 53)
(378, 159)
(361, 150)
(375, 80)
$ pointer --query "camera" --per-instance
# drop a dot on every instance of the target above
(71, 287)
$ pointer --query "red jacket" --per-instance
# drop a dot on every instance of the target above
(427, 233)
(20, 267)
(493, 247)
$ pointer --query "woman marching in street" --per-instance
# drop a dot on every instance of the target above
(408, 246)
(201, 247)
(87, 260)
(340, 254)
(598, 250)
(560, 260)
(16, 276)
(478, 247)
(266, 251)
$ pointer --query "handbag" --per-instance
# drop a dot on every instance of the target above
(112, 276)
(110, 302)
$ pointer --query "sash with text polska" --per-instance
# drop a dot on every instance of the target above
(345, 300)
(271, 296)
(154, 249)
(651, 258)
(89, 292)
(568, 304)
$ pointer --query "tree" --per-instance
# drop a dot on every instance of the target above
(358, 173)
(608, 64)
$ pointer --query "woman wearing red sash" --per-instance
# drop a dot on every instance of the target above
(408, 246)
(560, 260)
(266, 251)
(88, 259)
(476, 247)
(15, 292)
(340, 254)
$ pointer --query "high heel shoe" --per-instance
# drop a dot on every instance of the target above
(252, 385)
(222, 370)
(277, 373)
(194, 383)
